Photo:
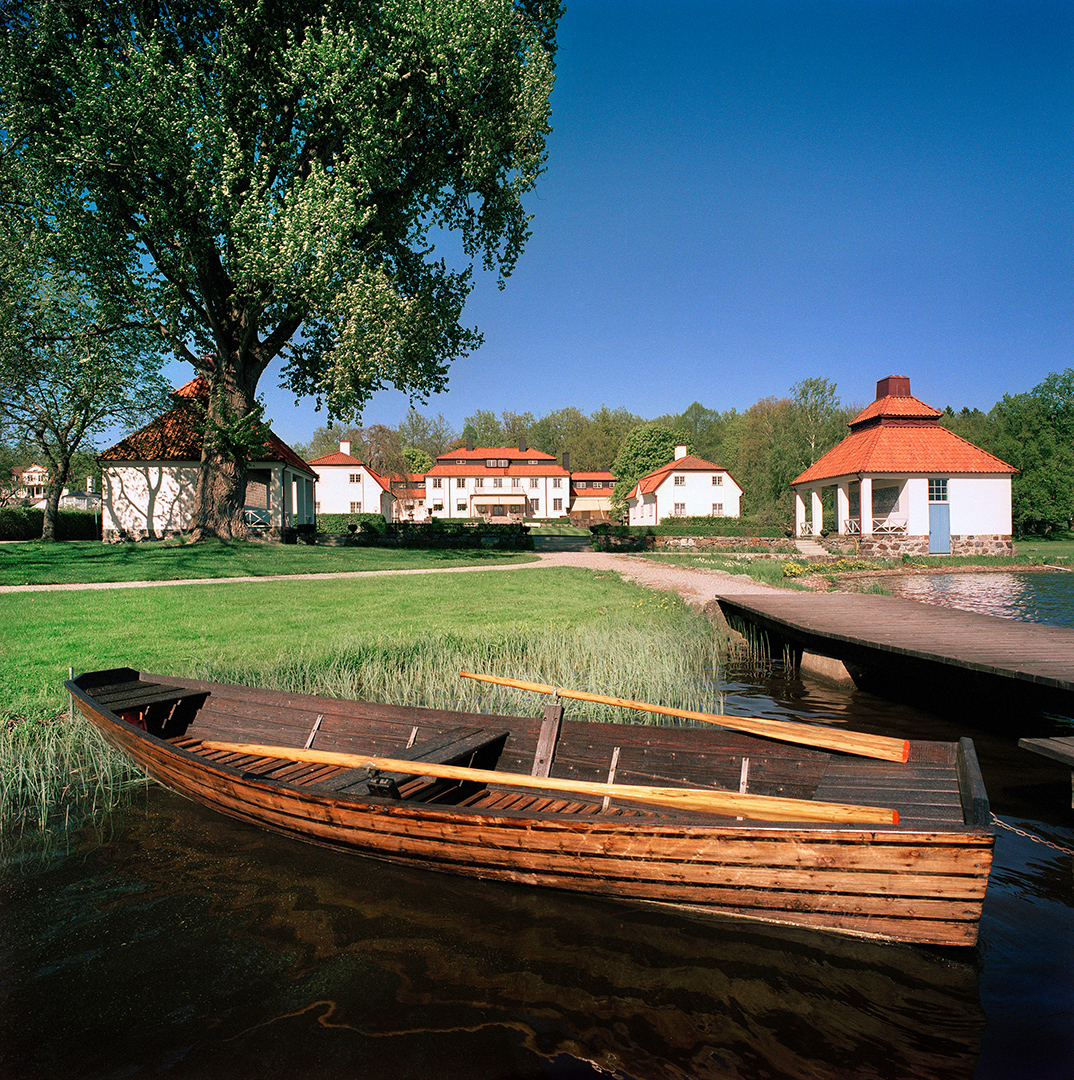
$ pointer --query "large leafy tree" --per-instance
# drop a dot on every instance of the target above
(270, 175)
(1026, 431)
(74, 361)
(644, 449)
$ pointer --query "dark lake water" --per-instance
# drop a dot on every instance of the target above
(171, 942)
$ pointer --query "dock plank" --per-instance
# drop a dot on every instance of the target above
(849, 626)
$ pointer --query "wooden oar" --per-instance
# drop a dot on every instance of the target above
(849, 742)
(725, 803)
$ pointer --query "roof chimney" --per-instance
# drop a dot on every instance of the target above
(523, 446)
(345, 448)
(567, 462)
(680, 452)
(469, 444)
(893, 386)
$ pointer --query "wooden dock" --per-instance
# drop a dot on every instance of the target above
(884, 640)
(1060, 748)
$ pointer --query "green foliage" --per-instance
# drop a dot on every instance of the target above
(417, 460)
(241, 171)
(1026, 433)
(74, 360)
(643, 450)
(25, 523)
(368, 524)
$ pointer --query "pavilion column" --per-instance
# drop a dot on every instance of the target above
(866, 506)
(816, 511)
(277, 498)
(842, 506)
(799, 513)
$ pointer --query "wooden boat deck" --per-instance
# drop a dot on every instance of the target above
(872, 631)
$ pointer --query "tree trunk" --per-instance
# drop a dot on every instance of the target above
(221, 487)
(52, 500)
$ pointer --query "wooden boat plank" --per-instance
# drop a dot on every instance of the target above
(951, 895)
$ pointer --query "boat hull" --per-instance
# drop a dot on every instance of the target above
(910, 884)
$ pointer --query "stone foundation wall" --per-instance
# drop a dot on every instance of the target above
(982, 544)
(895, 546)
(723, 543)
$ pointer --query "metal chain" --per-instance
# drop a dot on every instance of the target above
(1030, 836)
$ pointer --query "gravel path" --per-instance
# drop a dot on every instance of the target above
(696, 586)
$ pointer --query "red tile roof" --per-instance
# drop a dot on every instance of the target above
(900, 434)
(337, 457)
(479, 453)
(175, 437)
(651, 481)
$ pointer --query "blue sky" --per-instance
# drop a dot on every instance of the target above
(742, 194)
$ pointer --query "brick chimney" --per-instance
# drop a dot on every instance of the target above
(567, 462)
(893, 386)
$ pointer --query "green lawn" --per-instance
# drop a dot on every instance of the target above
(1060, 549)
(90, 561)
(185, 629)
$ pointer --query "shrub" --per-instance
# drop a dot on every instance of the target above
(26, 523)
(337, 523)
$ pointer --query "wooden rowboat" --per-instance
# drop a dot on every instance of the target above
(704, 819)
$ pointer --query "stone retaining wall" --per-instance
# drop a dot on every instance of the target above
(889, 546)
(722, 543)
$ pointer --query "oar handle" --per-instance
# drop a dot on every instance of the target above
(848, 742)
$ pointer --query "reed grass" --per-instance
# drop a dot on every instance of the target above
(675, 665)
(58, 773)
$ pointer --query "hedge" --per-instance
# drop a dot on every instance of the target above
(691, 526)
(338, 523)
(26, 523)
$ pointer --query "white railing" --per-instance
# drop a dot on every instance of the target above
(881, 525)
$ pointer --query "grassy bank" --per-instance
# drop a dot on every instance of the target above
(401, 640)
(171, 560)
(784, 571)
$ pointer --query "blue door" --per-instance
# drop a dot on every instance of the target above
(939, 528)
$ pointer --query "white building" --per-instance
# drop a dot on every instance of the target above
(345, 485)
(149, 479)
(489, 483)
(904, 484)
(687, 486)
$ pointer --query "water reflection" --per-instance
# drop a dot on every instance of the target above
(1039, 596)
(196, 946)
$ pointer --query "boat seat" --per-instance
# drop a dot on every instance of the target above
(469, 747)
(157, 708)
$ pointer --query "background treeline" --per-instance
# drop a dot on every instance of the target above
(764, 447)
